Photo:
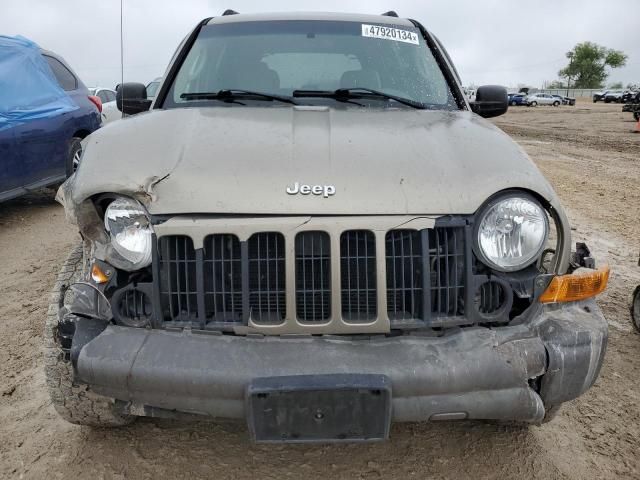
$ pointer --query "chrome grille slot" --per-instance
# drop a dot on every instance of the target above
(358, 276)
(313, 276)
(267, 296)
(223, 279)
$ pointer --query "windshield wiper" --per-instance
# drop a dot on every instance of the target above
(356, 92)
(234, 93)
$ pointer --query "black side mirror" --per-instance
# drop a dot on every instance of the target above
(491, 101)
(131, 98)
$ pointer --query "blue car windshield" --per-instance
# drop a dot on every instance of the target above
(281, 57)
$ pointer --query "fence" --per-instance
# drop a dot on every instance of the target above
(573, 92)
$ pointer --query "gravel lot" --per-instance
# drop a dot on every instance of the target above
(593, 162)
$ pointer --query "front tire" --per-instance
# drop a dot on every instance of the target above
(73, 402)
(74, 155)
(556, 104)
(533, 104)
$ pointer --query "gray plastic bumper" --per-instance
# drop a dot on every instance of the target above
(469, 373)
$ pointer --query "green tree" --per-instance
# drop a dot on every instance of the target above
(616, 86)
(588, 63)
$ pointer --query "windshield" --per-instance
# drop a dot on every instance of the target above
(280, 57)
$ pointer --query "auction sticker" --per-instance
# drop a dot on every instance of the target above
(390, 33)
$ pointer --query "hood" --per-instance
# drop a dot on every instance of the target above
(241, 160)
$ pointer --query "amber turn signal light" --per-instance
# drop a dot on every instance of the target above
(576, 286)
(97, 275)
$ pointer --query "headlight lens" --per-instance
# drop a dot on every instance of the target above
(131, 232)
(512, 233)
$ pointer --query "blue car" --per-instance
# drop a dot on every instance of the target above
(517, 99)
(45, 112)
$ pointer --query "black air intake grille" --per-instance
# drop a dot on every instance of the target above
(267, 278)
(405, 269)
(426, 273)
(178, 283)
(447, 262)
(223, 278)
(358, 275)
(313, 276)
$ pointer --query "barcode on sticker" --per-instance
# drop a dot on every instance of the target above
(390, 33)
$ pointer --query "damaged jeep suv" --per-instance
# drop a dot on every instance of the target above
(314, 231)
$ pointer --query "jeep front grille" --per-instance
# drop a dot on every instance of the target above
(323, 279)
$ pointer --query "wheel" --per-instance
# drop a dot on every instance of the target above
(74, 155)
(513, 104)
(533, 104)
(636, 116)
(595, 100)
(635, 308)
(556, 103)
(75, 403)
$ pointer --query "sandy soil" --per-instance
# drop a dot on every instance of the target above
(593, 162)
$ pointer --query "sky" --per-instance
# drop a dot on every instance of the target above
(506, 42)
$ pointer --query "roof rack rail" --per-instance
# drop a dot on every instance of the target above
(229, 12)
(390, 13)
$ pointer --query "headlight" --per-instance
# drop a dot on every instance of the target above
(131, 232)
(511, 233)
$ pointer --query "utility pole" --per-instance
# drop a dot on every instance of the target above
(570, 55)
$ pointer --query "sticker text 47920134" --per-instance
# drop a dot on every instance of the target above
(390, 33)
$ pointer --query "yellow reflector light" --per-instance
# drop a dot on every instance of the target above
(576, 286)
(98, 275)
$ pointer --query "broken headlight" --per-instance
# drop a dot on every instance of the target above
(131, 232)
(511, 232)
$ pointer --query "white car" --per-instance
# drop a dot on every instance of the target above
(110, 111)
(536, 99)
(105, 95)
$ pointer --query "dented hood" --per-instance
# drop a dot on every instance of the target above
(242, 159)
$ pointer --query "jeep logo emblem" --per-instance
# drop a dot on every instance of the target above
(325, 190)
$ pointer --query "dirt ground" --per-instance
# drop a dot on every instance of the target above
(593, 162)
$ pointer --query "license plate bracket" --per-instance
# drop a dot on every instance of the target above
(319, 408)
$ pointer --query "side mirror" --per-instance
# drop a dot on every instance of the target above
(491, 101)
(131, 98)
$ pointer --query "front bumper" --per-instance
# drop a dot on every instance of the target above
(506, 373)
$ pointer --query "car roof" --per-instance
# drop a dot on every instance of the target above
(81, 85)
(327, 16)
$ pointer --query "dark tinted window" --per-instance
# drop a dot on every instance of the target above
(65, 78)
(111, 97)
